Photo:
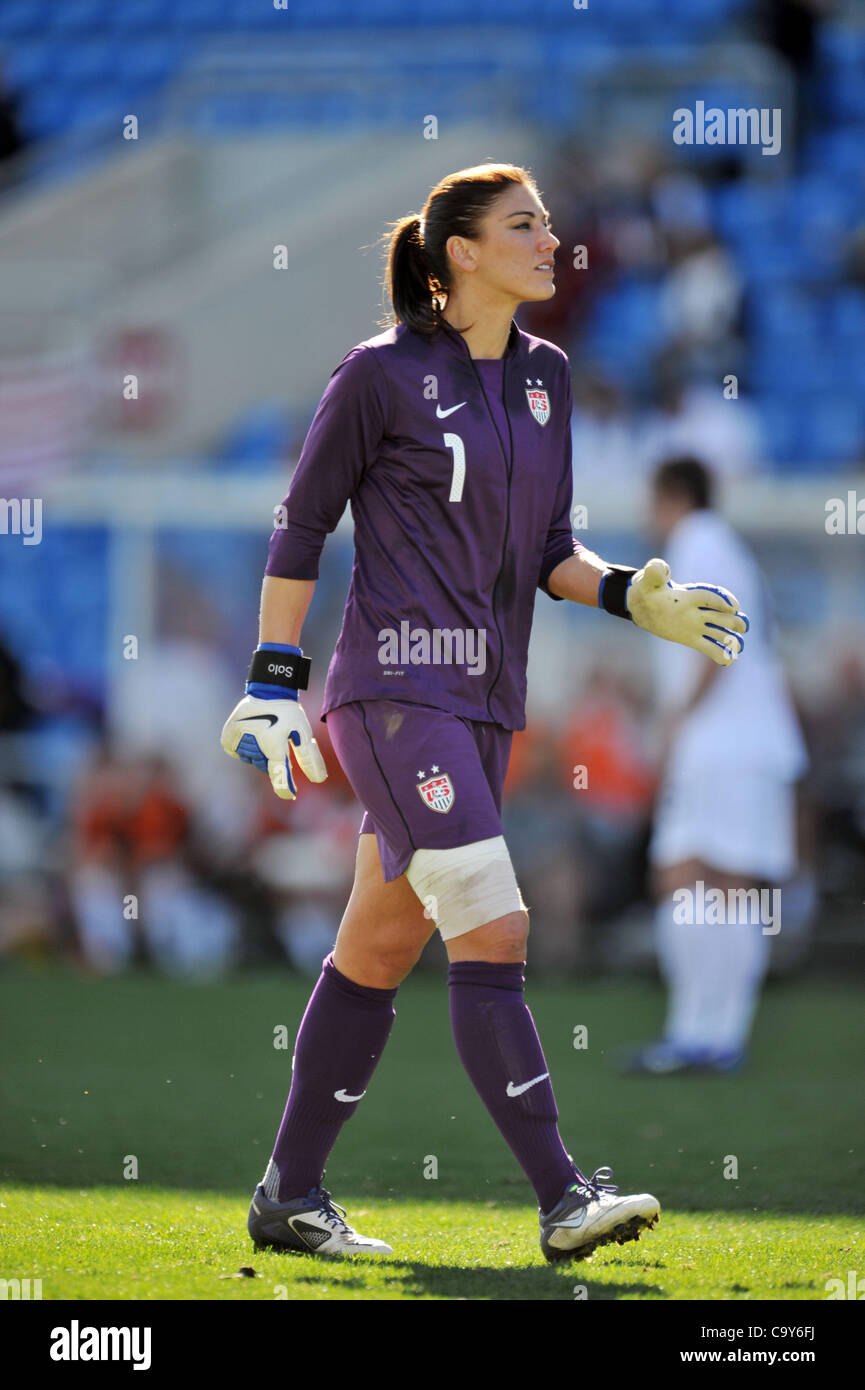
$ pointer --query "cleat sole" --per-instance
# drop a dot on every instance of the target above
(618, 1235)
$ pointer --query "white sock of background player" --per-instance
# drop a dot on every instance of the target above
(681, 952)
(713, 974)
(736, 957)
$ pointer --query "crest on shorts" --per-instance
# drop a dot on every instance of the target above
(539, 404)
(437, 792)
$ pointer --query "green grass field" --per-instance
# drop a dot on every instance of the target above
(186, 1080)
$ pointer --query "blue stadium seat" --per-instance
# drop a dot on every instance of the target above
(818, 196)
(47, 112)
(780, 424)
(747, 214)
(711, 12)
(259, 436)
(325, 14)
(765, 260)
(432, 12)
(90, 62)
(201, 16)
(843, 93)
(792, 365)
(76, 17)
(97, 107)
(846, 315)
(841, 45)
(833, 429)
(27, 64)
(149, 60)
(846, 364)
(21, 17)
(629, 10)
(626, 330)
(137, 15)
(838, 153)
(63, 625)
(785, 315)
(500, 11)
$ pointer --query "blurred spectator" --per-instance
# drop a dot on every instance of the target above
(575, 178)
(131, 865)
(304, 853)
(604, 437)
(701, 302)
(608, 764)
(698, 419)
(854, 257)
(540, 824)
(26, 906)
(172, 700)
(12, 141)
(792, 27)
(835, 727)
(681, 205)
(603, 734)
(15, 709)
(576, 810)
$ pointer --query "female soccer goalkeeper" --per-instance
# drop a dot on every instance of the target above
(449, 434)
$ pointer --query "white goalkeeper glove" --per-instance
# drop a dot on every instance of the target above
(269, 724)
(706, 617)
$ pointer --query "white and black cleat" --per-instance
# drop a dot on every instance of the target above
(591, 1213)
(312, 1225)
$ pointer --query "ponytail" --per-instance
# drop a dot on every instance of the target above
(410, 281)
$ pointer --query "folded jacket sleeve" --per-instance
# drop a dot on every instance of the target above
(342, 442)
(561, 543)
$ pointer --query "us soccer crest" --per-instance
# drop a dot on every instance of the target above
(539, 404)
(437, 792)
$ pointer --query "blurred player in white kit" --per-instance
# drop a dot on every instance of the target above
(725, 817)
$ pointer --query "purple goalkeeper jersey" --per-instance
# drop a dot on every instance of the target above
(461, 508)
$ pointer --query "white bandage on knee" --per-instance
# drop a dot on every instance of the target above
(465, 887)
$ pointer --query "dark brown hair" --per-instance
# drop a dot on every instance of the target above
(687, 477)
(417, 276)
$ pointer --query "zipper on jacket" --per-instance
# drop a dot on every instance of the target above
(508, 456)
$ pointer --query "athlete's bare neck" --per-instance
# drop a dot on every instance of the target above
(484, 325)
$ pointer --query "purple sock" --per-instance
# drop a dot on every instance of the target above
(339, 1042)
(500, 1049)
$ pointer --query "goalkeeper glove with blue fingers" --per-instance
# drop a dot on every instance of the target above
(269, 722)
(703, 616)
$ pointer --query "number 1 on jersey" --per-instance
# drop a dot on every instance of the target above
(453, 442)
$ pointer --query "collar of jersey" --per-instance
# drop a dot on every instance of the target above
(452, 335)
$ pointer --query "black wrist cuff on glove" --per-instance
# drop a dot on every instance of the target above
(278, 668)
(613, 587)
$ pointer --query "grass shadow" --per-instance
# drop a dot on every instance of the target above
(473, 1283)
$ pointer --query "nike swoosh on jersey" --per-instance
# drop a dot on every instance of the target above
(513, 1090)
(343, 1095)
(443, 414)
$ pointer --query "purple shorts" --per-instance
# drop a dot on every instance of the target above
(427, 779)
